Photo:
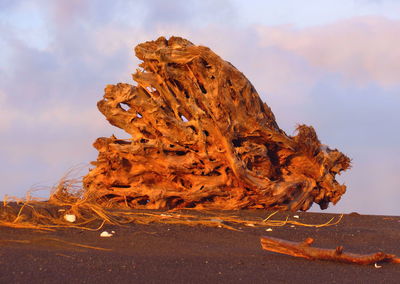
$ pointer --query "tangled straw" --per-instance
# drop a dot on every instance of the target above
(68, 198)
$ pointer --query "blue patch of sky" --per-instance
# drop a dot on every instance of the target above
(27, 24)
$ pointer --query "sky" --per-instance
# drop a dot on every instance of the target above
(334, 65)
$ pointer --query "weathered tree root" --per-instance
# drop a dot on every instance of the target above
(202, 138)
(304, 250)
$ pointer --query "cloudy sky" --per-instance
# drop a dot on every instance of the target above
(331, 64)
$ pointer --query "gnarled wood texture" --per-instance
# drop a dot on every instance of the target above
(202, 138)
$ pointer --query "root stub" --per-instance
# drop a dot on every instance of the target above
(202, 138)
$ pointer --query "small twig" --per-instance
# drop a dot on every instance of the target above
(304, 250)
(56, 240)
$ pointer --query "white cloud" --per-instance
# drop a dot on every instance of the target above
(361, 49)
(64, 115)
(6, 115)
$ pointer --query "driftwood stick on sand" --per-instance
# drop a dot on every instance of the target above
(303, 249)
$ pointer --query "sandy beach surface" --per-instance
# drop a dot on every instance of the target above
(161, 253)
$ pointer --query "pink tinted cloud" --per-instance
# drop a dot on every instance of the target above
(6, 116)
(66, 12)
(362, 49)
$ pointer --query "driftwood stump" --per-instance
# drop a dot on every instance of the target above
(202, 138)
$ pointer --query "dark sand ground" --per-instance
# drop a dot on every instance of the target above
(160, 253)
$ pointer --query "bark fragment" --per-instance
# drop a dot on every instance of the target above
(305, 251)
(202, 138)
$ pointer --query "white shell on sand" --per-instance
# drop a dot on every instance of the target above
(105, 234)
(70, 218)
